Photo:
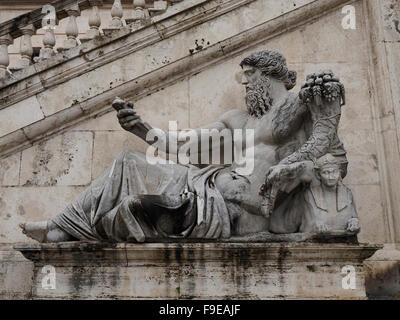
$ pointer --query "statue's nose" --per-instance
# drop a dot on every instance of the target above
(244, 80)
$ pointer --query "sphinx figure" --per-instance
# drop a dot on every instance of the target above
(137, 201)
(324, 205)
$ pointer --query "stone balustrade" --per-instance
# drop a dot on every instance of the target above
(48, 17)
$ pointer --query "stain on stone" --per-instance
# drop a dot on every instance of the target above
(21, 210)
(282, 255)
(166, 60)
(4, 166)
(311, 268)
(199, 45)
(396, 25)
(2, 206)
(47, 158)
(85, 56)
(382, 281)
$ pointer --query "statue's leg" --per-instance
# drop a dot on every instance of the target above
(287, 216)
(129, 174)
(44, 231)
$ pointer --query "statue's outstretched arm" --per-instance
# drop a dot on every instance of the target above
(192, 139)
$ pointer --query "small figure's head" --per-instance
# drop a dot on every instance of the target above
(329, 170)
(259, 70)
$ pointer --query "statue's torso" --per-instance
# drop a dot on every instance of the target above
(244, 189)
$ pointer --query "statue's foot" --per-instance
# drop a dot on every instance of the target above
(35, 230)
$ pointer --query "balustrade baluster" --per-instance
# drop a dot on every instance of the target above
(26, 49)
(116, 14)
(159, 7)
(49, 41)
(5, 41)
(94, 20)
(71, 29)
(139, 13)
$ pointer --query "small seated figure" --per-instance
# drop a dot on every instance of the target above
(323, 205)
(329, 205)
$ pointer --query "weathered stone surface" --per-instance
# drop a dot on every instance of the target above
(16, 274)
(23, 113)
(224, 92)
(383, 274)
(362, 170)
(369, 204)
(9, 170)
(21, 204)
(65, 160)
(208, 270)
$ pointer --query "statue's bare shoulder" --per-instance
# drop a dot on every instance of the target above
(234, 119)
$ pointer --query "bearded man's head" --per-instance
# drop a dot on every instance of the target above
(270, 63)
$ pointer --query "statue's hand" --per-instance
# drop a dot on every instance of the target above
(126, 113)
(129, 119)
(288, 176)
(275, 173)
(321, 227)
(353, 225)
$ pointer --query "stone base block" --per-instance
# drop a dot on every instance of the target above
(92, 270)
(383, 274)
(15, 274)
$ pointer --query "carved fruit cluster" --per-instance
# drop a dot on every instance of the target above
(322, 85)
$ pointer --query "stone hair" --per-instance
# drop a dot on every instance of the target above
(272, 63)
(327, 160)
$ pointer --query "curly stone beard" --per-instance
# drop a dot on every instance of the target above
(258, 100)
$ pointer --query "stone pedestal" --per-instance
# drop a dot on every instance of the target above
(383, 273)
(89, 270)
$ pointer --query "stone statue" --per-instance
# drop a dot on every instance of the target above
(135, 201)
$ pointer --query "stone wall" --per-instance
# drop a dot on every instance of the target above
(37, 182)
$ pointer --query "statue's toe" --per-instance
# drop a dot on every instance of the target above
(22, 226)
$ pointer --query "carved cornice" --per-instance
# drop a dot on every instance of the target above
(152, 81)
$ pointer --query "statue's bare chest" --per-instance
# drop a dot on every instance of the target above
(261, 128)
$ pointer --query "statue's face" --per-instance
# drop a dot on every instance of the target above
(251, 75)
(257, 85)
(330, 176)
